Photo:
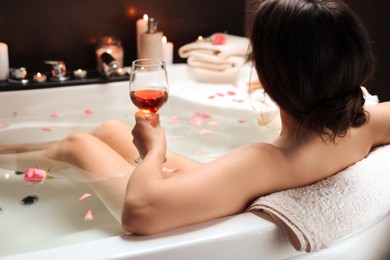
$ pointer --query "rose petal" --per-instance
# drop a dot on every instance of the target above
(238, 100)
(54, 115)
(220, 94)
(231, 93)
(211, 97)
(48, 128)
(85, 196)
(88, 216)
(3, 126)
(197, 122)
(242, 121)
(203, 116)
(88, 112)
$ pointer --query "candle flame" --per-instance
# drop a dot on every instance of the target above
(200, 38)
(39, 74)
(109, 51)
(146, 17)
(164, 39)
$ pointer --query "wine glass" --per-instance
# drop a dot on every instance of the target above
(148, 87)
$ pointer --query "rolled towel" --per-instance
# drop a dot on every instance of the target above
(212, 62)
(233, 46)
(316, 216)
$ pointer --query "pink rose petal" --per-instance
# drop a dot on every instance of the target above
(2, 126)
(88, 216)
(220, 94)
(231, 93)
(242, 121)
(85, 196)
(88, 112)
(197, 122)
(205, 132)
(48, 128)
(54, 115)
(211, 97)
(238, 100)
(203, 116)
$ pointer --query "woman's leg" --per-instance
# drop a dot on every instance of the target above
(118, 136)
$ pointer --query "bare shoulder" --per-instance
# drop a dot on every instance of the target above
(379, 123)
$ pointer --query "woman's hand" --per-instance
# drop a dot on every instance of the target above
(148, 134)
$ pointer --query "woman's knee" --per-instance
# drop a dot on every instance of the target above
(108, 128)
(69, 145)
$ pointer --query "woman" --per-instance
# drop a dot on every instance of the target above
(311, 57)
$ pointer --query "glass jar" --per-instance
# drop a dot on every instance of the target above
(112, 46)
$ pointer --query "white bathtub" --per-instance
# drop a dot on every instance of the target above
(55, 226)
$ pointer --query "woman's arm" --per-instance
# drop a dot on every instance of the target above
(220, 188)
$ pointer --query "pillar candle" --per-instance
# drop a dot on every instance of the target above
(142, 27)
(4, 61)
(167, 50)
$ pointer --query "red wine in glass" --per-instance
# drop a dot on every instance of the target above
(149, 100)
(148, 86)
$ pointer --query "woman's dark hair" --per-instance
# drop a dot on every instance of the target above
(312, 56)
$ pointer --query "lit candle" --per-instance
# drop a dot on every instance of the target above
(39, 77)
(80, 74)
(167, 50)
(142, 27)
(4, 61)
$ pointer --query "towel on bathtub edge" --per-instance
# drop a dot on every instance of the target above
(316, 216)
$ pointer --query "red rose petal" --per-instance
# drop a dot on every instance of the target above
(54, 115)
(85, 196)
(48, 128)
(88, 216)
(88, 112)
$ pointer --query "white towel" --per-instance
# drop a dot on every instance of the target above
(234, 46)
(213, 62)
(316, 216)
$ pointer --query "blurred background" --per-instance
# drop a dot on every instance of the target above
(68, 30)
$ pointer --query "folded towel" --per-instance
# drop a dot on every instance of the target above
(315, 216)
(213, 62)
(227, 76)
(234, 46)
